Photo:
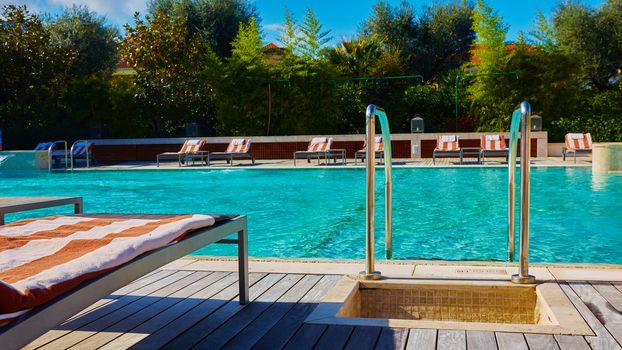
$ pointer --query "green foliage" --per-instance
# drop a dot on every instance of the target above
(87, 34)
(168, 63)
(216, 21)
(311, 44)
(289, 37)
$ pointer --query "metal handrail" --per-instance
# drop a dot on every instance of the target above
(87, 152)
(524, 110)
(370, 178)
(51, 149)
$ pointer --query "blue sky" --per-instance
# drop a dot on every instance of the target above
(342, 17)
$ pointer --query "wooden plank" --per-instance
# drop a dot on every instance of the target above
(611, 319)
(541, 342)
(108, 337)
(477, 340)
(602, 340)
(231, 327)
(253, 332)
(226, 310)
(211, 284)
(335, 337)
(610, 293)
(146, 286)
(306, 337)
(421, 339)
(451, 339)
(392, 338)
(618, 285)
(178, 280)
(571, 342)
(280, 334)
(188, 319)
(363, 338)
(511, 341)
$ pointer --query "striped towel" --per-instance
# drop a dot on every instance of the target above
(320, 144)
(43, 146)
(379, 145)
(579, 141)
(447, 143)
(80, 148)
(239, 146)
(492, 143)
(41, 259)
(192, 146)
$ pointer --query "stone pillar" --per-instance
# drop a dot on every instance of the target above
(415, 146)
(607, 157)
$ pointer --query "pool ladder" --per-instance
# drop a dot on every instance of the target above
(370, 170)
(522, 117)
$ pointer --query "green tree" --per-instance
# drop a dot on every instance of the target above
(84, 32)
(313, 39)
(594, 35)
(33, 75)
(289, 37)
(216, 21)
(168, 63)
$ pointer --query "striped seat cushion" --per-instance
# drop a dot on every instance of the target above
(379, 144)
(43, 146)
(579, 141)
(447, 143)
(492, 143)
(320, 144)
(42, 258)
(239, 146)
(192, 146)
(80, 148)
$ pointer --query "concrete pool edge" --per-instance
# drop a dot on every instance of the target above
(409, 268)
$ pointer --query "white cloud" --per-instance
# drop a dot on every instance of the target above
(118, 11)
(274, 27)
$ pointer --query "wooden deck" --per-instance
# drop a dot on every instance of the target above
(180, 309)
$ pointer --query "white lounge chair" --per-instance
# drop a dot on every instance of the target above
(378, 148)
(577, 143)
(190, 150)
(238, 148)
(318, 147)
(447, 146)
(493, 145)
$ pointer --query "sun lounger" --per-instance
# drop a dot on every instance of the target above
(379, 149)
(447, 146)
(577, 143)
(82, 149)
(191, 150)
(318, 147)
(238, 148)
(51, 268)
(493, 145)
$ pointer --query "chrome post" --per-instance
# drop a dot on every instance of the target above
(523, 276)
(370, 273)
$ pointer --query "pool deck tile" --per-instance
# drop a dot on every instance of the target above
(478, 272)
(586, 274)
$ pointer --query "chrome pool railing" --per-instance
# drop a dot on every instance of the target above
(370, 180)
(50, 152)
(521, 115)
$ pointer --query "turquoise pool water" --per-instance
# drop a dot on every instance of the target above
(442, 213)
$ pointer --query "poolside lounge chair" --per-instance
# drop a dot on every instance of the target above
(577, 143)
(447, 145)
(238, 148)
(190, 150)
(82, 149)
(318, 147)
(60, 265)
(379, 149)
(493, 145)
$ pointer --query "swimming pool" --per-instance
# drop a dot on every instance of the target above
(439, 213)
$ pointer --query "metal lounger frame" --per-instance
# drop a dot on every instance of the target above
(204, 156)
(362, 154)
(39, 320)
(503, 152)
(446, 153)
(230, 156)
(566, 151)
(309, 155)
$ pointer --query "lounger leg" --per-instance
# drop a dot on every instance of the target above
(243, 266)
(434, 158)
(78, 207)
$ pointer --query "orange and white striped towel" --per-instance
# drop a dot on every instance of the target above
(192, 146)
(493, 143)
(42, 258)
(579, 141)
(379, 145)
(239, 146)
(447, 143)
(320, 144)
